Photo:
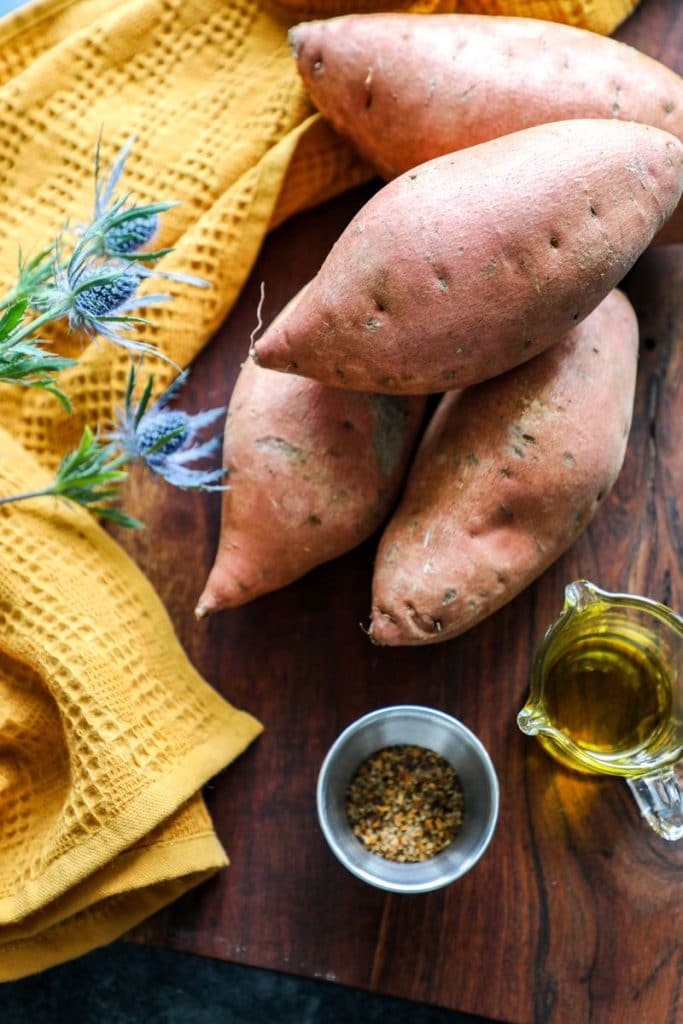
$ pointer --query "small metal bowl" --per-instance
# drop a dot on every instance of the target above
(433, 730)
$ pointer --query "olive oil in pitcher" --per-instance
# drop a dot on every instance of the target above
(606, 696)
(609, 695)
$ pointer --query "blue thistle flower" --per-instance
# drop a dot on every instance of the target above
(96, 297)
(167, 440)
(120, 229)
(133, 226)
(163, 434)
(95, 288)
(129, 237)
(104, 298)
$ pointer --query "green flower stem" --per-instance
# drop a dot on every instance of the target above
(46, 492)
(25, 330)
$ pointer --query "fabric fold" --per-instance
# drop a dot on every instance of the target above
(108, 732)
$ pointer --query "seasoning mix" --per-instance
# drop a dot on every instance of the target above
(405, 803)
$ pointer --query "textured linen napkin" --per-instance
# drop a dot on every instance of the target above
(106, 731)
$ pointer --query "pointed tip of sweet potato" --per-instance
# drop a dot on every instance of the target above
(223, 589)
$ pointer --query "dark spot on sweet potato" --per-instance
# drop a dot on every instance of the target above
(339, 372)
(593, 210)
(575, 316)
(315, 521)
(529, 438)
(568, 459)
(348, 425)
(555, 242)
(527, 343)
(373, 323)
(388, 439)
(471, 459)
(443, 284)
(507, 473)
(668, 107)
(599, 496)
(616, 105)
(650, 344)
(449, 596)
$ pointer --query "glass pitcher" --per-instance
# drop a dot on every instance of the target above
(606, 696)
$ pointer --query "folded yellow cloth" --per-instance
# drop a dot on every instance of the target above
(106, 731)
(107, 735)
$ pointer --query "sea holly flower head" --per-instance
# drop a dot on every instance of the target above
(120, 228)
(96, 296)
(168, 440)
(132, 226)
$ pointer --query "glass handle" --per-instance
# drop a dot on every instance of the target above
(660, 800)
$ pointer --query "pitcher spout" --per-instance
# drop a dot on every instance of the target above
(531, 720)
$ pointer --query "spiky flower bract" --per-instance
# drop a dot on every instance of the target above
(168, 440)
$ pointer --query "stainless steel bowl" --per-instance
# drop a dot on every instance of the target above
(434, 730)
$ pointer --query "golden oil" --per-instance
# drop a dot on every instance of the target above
(610, 696)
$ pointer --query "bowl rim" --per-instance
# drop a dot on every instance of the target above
(455, 726)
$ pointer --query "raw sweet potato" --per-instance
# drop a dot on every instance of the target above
(313, 471)
(478, 260)
(507, 476)
(405, 88)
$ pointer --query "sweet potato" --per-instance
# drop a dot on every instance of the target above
(405, 88)
(507, 476)
(478, 260)
(313, 471)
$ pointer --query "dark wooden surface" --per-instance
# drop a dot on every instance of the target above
(576, 912)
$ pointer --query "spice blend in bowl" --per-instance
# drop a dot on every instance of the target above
(405, 803)
(415, 747)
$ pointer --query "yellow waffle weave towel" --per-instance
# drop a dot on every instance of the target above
(106, 731)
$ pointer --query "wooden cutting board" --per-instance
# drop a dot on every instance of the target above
(576, 912)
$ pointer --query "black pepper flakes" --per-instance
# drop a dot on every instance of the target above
(405, 803)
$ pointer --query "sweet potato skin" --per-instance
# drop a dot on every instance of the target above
(507, 476)
(405, 88)
(312, 472)
(476, 261)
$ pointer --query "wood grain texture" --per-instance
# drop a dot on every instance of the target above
(575, 913)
